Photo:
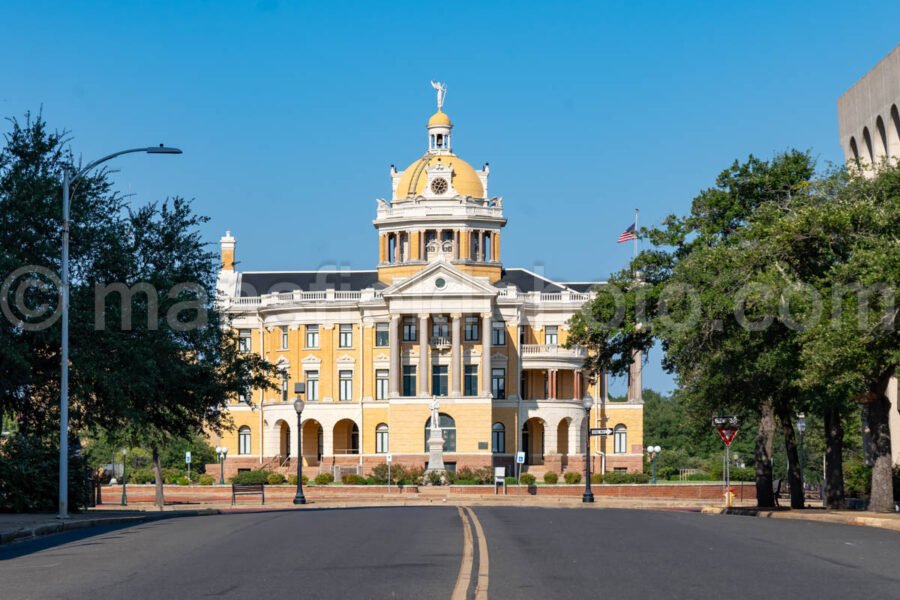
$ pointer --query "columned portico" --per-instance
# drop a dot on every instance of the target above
(455, 353)
(423, 354)
(486, 353)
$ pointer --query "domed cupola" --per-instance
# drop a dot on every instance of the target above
(439, 124)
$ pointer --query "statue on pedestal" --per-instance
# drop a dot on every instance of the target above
(435, 441)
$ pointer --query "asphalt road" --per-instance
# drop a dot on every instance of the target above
(418, 552)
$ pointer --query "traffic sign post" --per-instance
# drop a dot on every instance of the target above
(388, 458)
(520, 460)
(187, 461)
(727, 428)
(601, 431)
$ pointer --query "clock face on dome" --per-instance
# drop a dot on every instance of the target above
(439, 186)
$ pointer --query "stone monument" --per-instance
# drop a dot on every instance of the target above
(435, 441)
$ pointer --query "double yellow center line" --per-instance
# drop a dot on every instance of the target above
(460, 590)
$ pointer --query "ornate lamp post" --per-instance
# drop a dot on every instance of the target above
(124, 476)
(221, 452)
(299, 389)
(653, 454)
(68, 179)
(587, 403)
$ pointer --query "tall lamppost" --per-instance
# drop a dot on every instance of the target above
(588, 496)
(124, 475)
(801, 428)
(299, 389)
(222, 453)
(68, 179)
(653, 454)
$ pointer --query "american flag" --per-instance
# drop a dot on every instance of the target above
(627, 235)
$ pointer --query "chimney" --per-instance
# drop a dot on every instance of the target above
(227, 243)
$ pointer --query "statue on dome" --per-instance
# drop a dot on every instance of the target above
(441, 93)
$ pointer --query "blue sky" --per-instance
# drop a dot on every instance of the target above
(290, 113)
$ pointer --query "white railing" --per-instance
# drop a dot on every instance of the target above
(440, 342)
(566, 297)
(553, 349)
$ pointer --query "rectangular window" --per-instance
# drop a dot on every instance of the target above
(244, 396)
(312, 385)
(312, 336)
(284, 387)
(439, 380)
(346, 380)
(470, 380)
(382, 335)
(440, 328)
(523, 387)
(551, 335)
(244, 340)
(470, 334)
(284, 338)
(381, 384)
(382, 445)
(409, 330)
(521, 335)
(498, 333)
(345, 339)
(409, 380)
(498, 383)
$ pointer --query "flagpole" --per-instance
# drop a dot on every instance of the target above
(635, 231)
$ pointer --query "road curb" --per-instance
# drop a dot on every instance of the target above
(865, 520)
(50, 528)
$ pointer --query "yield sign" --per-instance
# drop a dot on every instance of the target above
(727, 434)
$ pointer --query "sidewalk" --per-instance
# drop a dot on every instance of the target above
(843, 517)
(21, 526)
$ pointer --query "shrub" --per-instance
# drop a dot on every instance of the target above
(550, 477)
(484, 475)
(292, 480)
(466, 482)
(743, 474)
(144, 475)
(324, 479)
(596, 477)
(464, 474)
(183, 480)
(698, 477)
(171, 476)
(511, 481)
(354, 479)
(28, 474)
(528, 478)
(207, 479)
(260, 476)
(640, 478)
(434, 478)
(379, 474)
(857, 479)
(616, 477)
(572, 477)
(410, 475)
(275, 479)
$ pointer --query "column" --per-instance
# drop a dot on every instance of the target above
(551, 384)
(423, 354)
(394, 387)
(577, 385)
(455, 353)
(496, 240)
(486, 353)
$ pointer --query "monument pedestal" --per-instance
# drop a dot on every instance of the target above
(435, 451)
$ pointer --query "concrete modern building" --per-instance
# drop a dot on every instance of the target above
(869, 124)
(440, 317)
(868, 115)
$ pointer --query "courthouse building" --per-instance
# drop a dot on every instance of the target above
(439, 317)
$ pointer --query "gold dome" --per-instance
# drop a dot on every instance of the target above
(439, 118)
(464, 179)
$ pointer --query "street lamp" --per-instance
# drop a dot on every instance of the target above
(124, 476)
(68, 179)
(801, 427)
(221, 452)
(587, 403)
(652, 454)
(299, 389)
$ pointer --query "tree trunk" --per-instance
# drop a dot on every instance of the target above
(879, 440)
(795, 476)
(160, 500)
(765, 494)
(834, 452)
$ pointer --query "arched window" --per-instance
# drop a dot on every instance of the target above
(448, 430)
(854, 151)
(244, 440)
(381, 439)
(498, 438)
(867, 138)
(354, 439)
(620, 439)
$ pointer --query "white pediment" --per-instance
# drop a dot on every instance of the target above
(346, 359)
(311, 360)
(441, 279)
